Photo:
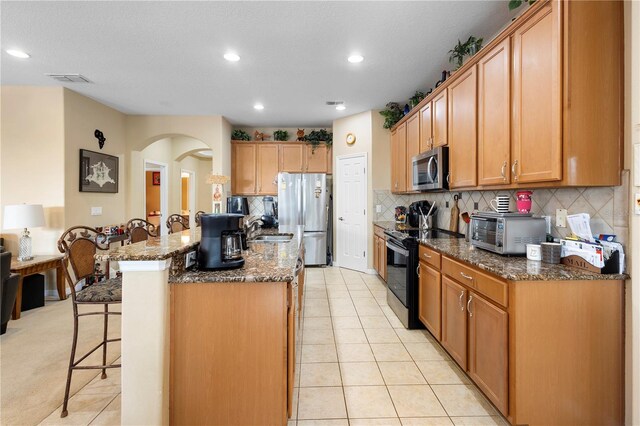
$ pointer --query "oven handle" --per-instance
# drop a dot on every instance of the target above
(400, 250)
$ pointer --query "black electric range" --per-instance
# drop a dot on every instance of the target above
(402, 271)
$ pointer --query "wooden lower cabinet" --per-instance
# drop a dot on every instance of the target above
(380, 256)
(376, 255)
(454, 320)
(229, 351)
(488, 349)
(430, 298)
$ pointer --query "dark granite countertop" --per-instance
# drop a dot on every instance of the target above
(263, 262)
(160, 248)
(509, 268)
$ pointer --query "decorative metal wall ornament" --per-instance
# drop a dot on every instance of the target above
(100, 136)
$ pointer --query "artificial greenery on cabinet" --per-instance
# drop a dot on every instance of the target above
(316, 137)
(240, 135)
(280, 135)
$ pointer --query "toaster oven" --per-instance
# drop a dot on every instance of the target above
(506, 233)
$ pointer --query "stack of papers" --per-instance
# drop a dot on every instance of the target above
(580, 226)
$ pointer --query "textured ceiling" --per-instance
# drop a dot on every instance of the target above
(159, 57)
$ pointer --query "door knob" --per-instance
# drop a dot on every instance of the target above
(340, 218)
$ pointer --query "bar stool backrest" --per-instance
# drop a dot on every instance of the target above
(198, 214)
(177, 223)
(79, 245)
(140, 230)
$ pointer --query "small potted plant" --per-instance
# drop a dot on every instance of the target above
(392, 114)
(416, 98)
(280, 135)
(514, 4)
(240, 135)
(318, 136)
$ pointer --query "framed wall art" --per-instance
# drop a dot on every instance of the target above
(98, 172)
(155, 178)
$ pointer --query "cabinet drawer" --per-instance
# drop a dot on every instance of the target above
(378, 231)
(430, 256)
(490, 287)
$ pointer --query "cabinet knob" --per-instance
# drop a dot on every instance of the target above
(418, 270)
(426, 255)
(469, 305)
(513, 170)
(469, 277)
(460, 302)
(503, 171)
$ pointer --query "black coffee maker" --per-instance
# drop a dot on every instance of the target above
(222, 242)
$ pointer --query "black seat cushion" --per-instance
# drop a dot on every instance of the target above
(104, 292)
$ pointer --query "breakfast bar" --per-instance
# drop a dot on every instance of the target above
(190, 337)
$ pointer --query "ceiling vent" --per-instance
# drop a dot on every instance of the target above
(69, 78)
(334, 103)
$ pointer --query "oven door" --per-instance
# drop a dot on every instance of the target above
(397, 264)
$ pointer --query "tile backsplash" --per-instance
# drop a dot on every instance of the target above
(605, 205)
(256, 205)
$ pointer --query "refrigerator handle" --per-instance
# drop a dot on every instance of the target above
(303, 200)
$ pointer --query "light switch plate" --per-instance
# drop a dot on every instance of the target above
(96, 211)
(636, 204)
(378, 208)
(561, 218)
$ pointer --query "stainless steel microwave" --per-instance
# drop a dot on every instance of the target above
(430, 170)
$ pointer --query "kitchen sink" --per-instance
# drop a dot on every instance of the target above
(279, 238)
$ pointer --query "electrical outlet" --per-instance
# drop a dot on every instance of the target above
(96, 211)
(561, 218)
(378, 208)
(475, 205)
(446, 204)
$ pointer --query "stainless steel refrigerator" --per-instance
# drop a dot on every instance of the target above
(304, 199)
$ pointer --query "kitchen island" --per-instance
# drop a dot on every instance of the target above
(208, 347)
(543, 342)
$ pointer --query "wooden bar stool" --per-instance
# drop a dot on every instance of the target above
(79, 245)
(177, 223)
(140, 230)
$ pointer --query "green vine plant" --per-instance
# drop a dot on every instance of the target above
(514, 4)
(392, 114)
(416, 98)
(280, 135)
(460, 50)
(316, 137)
(240, 135)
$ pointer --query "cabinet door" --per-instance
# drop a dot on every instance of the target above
(462, 130)
(488, 345)
(426, 120)
(413, 147)
(399, 159)
(291, 348)
(267, 171)
(329, 160)
(494, 113)
(382, 259)
(316, 160)
(292, 158)
(376, 253)
(430, 299)
(537, 142)
(243, 175)
(440, 119)
(454, 321)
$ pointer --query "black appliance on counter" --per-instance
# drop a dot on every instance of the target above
(222, 242)
(413, 216)
(238, 205)
(402, 271)
(270, 217)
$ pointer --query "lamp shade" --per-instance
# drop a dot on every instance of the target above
(23, 216)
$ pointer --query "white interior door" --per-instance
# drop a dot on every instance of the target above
(351, 211)
(156, 166)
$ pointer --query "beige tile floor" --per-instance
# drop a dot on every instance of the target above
(358, 366)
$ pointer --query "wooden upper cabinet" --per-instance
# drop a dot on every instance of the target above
(426, 126)
(463, 130)
(399, 159)
(537, 115)
(454, 320)
(488, 350)
(292, 158)
(330, 160)
(243, 173)
(316, 161)
(267, 169)
(413, 147)
(494, 116)
(429, 304)
(439, 120)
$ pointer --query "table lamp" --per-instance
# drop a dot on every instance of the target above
(24, 216)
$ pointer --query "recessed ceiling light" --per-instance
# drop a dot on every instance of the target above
(231, 57)
(341, 107)
(258, 106)
(18, 53)
(354, 59)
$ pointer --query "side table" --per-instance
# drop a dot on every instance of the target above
(34, 266)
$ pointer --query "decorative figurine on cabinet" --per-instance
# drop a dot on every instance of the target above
(300, 135)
